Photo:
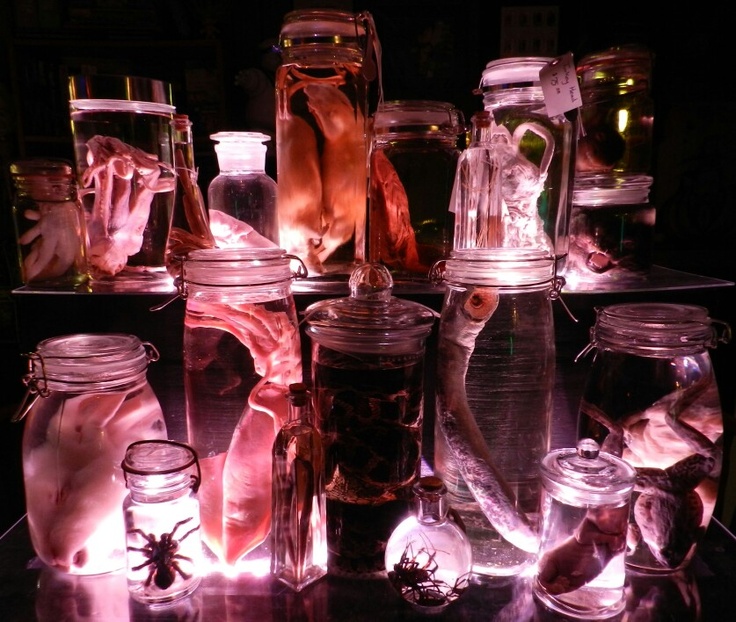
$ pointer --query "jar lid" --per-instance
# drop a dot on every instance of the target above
(371, 319)
(48, 168)
(418, 116)
(622, 65)
(106, 92)
(240, 150)
(103, 359)
(586, 474)
(514, 72)
(322, 27)
(160, 466)
(236, 266)
(653, 328)
(500, 267)
(600, 189)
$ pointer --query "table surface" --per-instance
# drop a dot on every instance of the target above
(30, 591)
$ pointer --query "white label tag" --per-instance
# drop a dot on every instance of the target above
(560, 86)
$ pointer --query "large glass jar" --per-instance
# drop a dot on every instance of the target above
(617, 115)
(495, 375)
(49, 224)
(91, 400)
(242, 350)
(536, 153)
(321, 137)
(368, 381)
(123, 148)
(414, 153)
(652, 399)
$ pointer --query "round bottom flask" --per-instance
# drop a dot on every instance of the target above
(429, 559)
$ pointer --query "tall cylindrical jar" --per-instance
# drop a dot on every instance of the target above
(651, 397)
(123, 148)
(537, 155)
(49, 224)
(617, 115)
(242, 350)
(91, 400)
(242, 197)
(495, 375)
(414, 152)
(164, 548)
(368, 381)
(321, 137)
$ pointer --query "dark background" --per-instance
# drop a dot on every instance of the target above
(432, 49)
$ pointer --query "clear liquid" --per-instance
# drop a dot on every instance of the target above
(152, 134)
(509, 387)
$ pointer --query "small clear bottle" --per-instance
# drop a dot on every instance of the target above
(242, 196)
(162, 529)
(89, 399)
(429, 559)
(49, 224)
(585, 509)
(190, 226)
(299, 521)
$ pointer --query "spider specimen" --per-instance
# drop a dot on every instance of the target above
(162, 557)
(416, 581)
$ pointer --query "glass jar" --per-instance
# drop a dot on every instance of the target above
(431, 541)
(414, 153)
(617, 115)
(651, 398)
(321, 137)
(123, 148)
(242, 197)
(495, 376)
(611, 230)
(241, 351)
(91, 399)
(368, 382)
(49, 224)
(536, 155)
(164, 549)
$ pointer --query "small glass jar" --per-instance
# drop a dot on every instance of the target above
(617, 115)
(414, 154)
(536, 154)
(322, 88)
(611, 230)
(494, 381)
(91, 399)
(651, 398)
(585, 512)
(49, 224)
(242, 350)
(368, 382)
(429, 559)
(242, 197)
(123, 149)
(164, 548)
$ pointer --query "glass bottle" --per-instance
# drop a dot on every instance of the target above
(537, 154)
(585, 510)
(164, 548)
(617, 115)
(368, 381)
(322, 89)
(414, 153)
(494, 382)
(89, 399)
(123, 149)
(611, 230)
(49, 224)
(651, 398)
(299, 529)
(190, 226)
(242, 197)
(241, 351)
(430, 542)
